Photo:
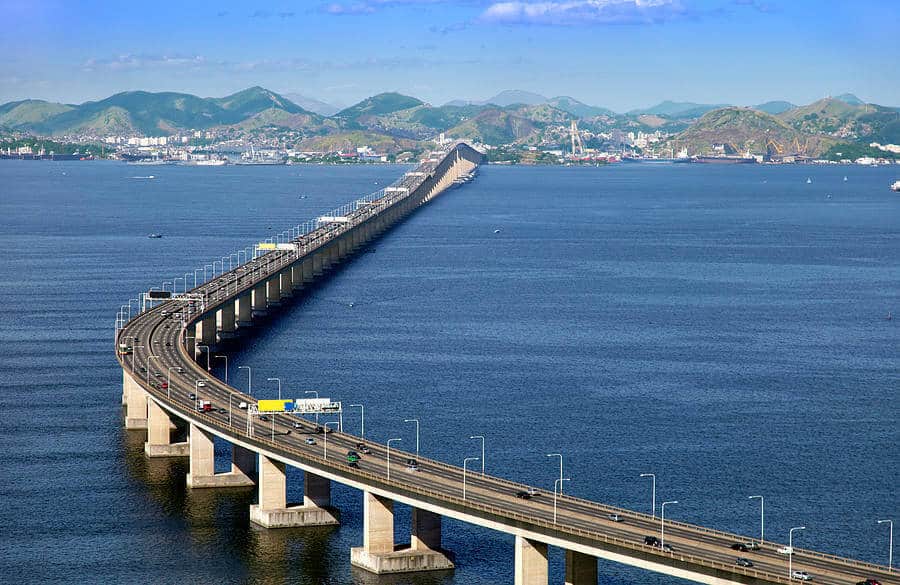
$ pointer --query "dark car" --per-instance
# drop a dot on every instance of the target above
(264, 418)
(318, 430)
(870, 581)
(651, 540)
(739, 546)
(363, 449)
(741, 561)
(523, 495)
(668, 548)
(192, 396)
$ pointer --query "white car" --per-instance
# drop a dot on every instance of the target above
(242, 405)
(200, 383)
(785, 550)
(801, 575)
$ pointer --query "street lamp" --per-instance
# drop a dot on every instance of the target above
(482, 450)
(133, 352)
(652, 477)
(169, 381)
(762, 517)
(662, 523)
(791, 549)
(556, 483)
(465, 463)
(326, 436)
(224, 357)
(249, 379)
(150, 357)
(208, 369)
(279, 385)
(362, 420)
(389, 456)
(414, 420)
(560, 466)
(890, 524)
(315, 393)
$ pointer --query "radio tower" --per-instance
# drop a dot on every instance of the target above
(577, 146)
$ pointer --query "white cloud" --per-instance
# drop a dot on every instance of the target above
(573, 12)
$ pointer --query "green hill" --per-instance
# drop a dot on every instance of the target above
(846, 121)
(577, 108)
(27, 113)
(254, 100)
(377, 105)
(745, 129)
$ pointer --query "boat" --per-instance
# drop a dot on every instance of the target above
(724, 160)
(895, 186)
(154, 236)
(808, 181)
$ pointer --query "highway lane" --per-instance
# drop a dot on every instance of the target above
(164, 336)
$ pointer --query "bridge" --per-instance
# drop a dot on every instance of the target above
(161, 352)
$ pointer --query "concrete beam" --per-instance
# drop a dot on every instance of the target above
(530, 562)
(581, 569)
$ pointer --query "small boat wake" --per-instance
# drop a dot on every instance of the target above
(146, 177)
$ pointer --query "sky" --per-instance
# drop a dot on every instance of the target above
(620, 54)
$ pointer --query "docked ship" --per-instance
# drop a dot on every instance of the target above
(261, 157)
(724, 160)
(895, 186)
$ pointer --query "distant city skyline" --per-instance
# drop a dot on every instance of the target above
(620, 54)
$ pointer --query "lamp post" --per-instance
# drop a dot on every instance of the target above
(662, 523)
(326, 436)
(315, 394)
(465, 463)
(196, 270)
(791, 549)
(415, 420)
(652, 477)
(389, 456)
(560, 467)
(482, 450)
(362, 420)
(150, 357)
(556, 483)
(890, 524)
(249, 379)
(169, 381)
(224, 357)
(208, 368)
(279, 385)
(133, 352)
(762, 517)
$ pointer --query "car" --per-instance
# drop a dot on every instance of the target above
(869, 581)
(179, 369)
(158, 375)
(318, 430)
(739, 546)
(242, 405)
(264, 418)
(784, 550)
(310, 441)
(164, 385)
(353, 464)
(741, 561)
(143, 369)
(651, 540)
(523, 495)
(192, 396)
(801, 575)
(752, 545)
(352, 455)
(668, 548)
(533, 492)
(297, 425)
(412, 465)
(201, 384)
(615, 518)
(222, 411)
(168, 344)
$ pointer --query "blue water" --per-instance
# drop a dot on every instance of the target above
(724, 328)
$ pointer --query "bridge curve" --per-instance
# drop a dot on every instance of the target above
(170, 335)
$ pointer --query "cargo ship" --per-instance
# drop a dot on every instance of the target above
(724, 160)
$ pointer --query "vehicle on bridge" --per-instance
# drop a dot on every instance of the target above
(742, 562)
(125, 349)
(204, 406)
(352, 458)
(801, 575)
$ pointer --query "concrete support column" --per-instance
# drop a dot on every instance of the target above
(273, 291)
(159, 434)
(225, 321)
(425, 530)
(273, 510)
(244, 309)
(531, 562)
(205, 330)
(286, 282)
(297, 275)
(378, 524)
(258, 299)
(581, 569)
(135, 403)
(307, 271)
(243, 461)
(317, 263)
(202, 472)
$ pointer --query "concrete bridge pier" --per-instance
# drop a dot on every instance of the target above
(307, 268)
(205, 334)
(135, 403)
(531, 562)
(225, 321)
(258, 300)
(202, 472)
(273, 511)
(317, 268)
(380, 555)
(273, 291)
(244, 309)
(286, 283)
(297, 275)
(159, 434)
(581, 569)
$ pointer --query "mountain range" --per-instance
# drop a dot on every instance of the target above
(396, 121)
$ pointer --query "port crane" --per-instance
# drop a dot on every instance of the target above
(577, 145)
